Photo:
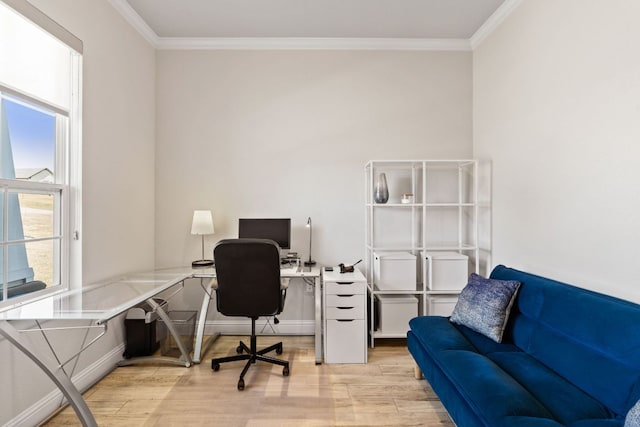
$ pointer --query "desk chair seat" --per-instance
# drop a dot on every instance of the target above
(249, 285)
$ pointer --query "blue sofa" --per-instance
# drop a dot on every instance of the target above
(568, 357)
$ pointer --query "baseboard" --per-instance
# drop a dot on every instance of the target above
(242, 326)
(83, 380)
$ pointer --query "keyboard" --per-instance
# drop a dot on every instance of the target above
(286, 268)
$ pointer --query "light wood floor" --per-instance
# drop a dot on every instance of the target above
(383, 392)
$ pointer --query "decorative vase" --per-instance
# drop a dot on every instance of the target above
(381, 191)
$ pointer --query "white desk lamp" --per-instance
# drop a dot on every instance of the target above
(310, 261)
(202, 225)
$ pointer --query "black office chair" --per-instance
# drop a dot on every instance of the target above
(248, 276)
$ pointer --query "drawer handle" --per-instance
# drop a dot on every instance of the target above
(344, 283)
(345, 320)
(344, 296)
(344, 308)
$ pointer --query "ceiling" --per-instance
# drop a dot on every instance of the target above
(344, 19)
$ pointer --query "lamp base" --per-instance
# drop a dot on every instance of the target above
(310, 262)
(202, 263)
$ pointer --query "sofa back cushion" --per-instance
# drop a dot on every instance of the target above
(590, 339)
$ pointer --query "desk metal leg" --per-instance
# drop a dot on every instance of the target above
(56, 375)
(202, 320)
(318, 318)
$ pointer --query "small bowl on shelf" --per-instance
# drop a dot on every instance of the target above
(407, 198)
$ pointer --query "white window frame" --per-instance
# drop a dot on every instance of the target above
(68, 167)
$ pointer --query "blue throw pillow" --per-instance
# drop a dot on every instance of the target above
(633, 416)
(484, 305)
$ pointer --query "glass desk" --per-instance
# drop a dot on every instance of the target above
(97, 304)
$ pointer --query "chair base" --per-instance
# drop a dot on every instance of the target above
(251, 355)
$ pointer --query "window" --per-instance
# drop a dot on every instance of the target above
(40, 67)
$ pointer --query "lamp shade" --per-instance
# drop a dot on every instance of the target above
(202, 222)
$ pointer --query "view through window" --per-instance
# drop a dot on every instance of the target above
(28, 137)
(39, 157)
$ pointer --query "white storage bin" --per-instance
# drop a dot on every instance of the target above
(441, 305)
(395, 313)
(394, 271)
(449, 271)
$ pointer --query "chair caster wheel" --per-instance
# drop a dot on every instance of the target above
(285, 371)
(241, 385)
(215, 367)
(239, 349)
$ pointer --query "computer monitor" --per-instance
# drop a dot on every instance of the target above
(276, 229)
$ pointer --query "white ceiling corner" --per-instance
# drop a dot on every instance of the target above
(139, 24)
(503, 11)
(185, 28)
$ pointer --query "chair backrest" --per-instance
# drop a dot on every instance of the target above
(248, 275)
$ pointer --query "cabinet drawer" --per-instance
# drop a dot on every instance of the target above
(345, 288)
(345, 300)
(347, 313)
(346, 341)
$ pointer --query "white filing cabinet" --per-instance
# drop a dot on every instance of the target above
(345, 316)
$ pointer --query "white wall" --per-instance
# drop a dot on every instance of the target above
(118, 176)
(287, 134)
(557, 109)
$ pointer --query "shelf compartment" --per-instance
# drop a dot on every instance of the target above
(450, 212)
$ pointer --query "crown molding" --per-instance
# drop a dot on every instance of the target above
(311, 43)
(493, 22)
(132, 17)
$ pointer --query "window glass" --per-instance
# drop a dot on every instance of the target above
(36, 215)
(41, 256)
(40, 145)
(31, 139)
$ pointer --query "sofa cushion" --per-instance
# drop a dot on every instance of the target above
(564, 400)
(493, 393)
(590, 339)
(483, 344)
(447, 391)
(484, 305)
(436, 333)
(490, 393)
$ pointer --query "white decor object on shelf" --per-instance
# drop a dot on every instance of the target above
(435, 207)
(381, 191)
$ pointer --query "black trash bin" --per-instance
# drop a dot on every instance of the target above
(141, 330)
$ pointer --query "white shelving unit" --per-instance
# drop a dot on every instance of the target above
(443, 217)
